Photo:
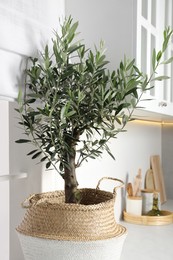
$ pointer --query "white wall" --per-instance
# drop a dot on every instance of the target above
(112, 21)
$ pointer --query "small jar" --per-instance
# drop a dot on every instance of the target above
(134, 205)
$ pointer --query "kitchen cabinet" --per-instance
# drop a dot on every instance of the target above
(132, 28)
(152, 18)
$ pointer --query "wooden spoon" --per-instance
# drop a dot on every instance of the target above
(129, 189)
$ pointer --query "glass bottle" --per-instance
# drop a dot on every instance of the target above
(155, 211)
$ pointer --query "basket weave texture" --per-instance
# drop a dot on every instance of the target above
(48, 216)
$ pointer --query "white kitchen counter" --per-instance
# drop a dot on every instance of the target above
(149, 242)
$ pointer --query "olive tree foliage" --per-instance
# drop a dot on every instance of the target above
(73, 105)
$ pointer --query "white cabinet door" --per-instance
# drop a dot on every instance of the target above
(152, 18)
(132, 28)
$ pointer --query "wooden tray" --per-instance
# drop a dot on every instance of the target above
(167, 218)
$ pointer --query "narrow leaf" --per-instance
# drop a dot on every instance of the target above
(31, 152)
(159, 55)
(168, 61)
(36, 155)
(160, 78)
(154, 59)
(130, 65)
(20, 141)
(48, 164)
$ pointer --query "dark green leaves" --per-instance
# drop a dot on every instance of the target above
(20, 141)
(167, 34)
(36, 155)
(154, 59)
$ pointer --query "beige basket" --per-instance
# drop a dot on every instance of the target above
(48, 216)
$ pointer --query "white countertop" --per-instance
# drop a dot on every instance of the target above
(149, 242)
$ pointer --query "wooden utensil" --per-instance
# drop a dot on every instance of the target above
(129, 189)
(158, 177)
(137, 184)
(149, 180)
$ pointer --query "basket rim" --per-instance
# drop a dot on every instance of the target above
(118, 232)
(94, 221)
(46, 197)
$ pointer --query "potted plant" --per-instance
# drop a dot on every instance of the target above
(73, 105)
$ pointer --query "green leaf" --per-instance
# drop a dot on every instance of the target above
(46, 52)
(56, 53)
(154, 59)
(63, 112)
(160, 78)
(70, 113)
(61, 167)
(20, 141)
(159, 55)
(43, 159)
(137, 70)
(121, 65)
(144, 83)
(74, 48)
(71, 32)
(102, 141)
(167, 34)
(30, 101)
(36, 155)
(31, 152)
(47, 63)
(109, 152)
(130, 65)
(170, 60)
(19, 97)
(48, 164)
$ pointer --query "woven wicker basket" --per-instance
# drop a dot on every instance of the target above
(49, 217)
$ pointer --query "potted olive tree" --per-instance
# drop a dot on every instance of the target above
(73, 105)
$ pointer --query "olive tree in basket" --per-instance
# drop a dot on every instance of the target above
(73, 105)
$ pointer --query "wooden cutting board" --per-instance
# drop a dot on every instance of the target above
(158, 177)
(149, 180)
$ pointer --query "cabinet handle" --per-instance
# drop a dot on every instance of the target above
(162, 104)
(9, 177)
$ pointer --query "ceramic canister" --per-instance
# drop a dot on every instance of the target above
(134, 205)
(147, 200)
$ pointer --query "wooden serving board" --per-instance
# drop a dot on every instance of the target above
(149, 180)
(159, 183)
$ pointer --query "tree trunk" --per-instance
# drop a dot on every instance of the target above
(70, 179)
